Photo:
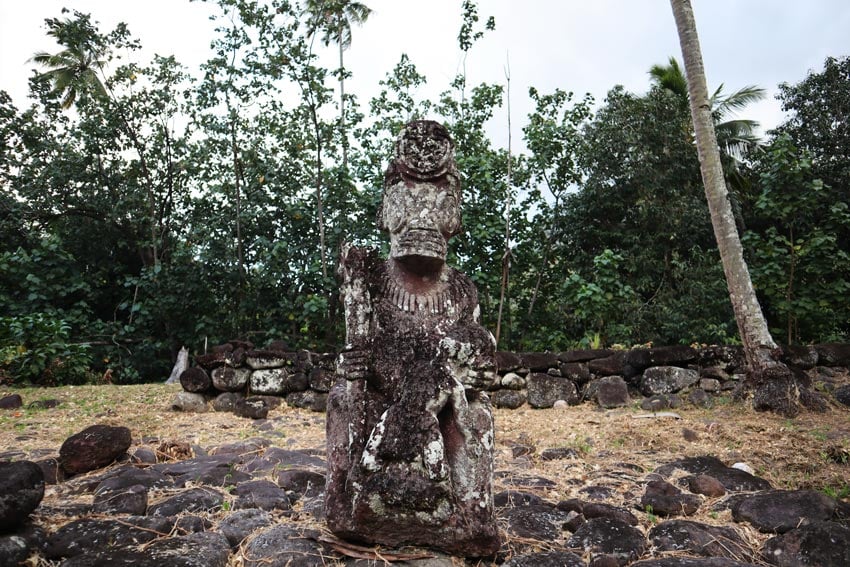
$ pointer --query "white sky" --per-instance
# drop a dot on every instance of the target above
(576, 45)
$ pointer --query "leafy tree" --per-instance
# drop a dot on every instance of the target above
(800, 270)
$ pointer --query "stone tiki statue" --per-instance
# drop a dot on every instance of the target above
(409, 427)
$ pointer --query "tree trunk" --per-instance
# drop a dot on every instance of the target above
(772, 383)
(342, 108)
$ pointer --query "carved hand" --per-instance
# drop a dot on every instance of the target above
(353, 364)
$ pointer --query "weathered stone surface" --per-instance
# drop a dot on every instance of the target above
(675, 355)
(585, 355)
(262, 494)
(779, 511)
(285, 546)
(206, 549)
(541, 522)
(609, 536)
(409, 427)
(226, 401)
(545, 390)
(251, 408)
(732, 479)
(667, 380)
(538, 361)
(301, 483)
(132, 500)
(513, 498)
(192, 500)
(833, 354)
(13, 550)
(842, 394)
(507, 361)
(276, 458)
(664, 499)
(269, 358)
(196, 380)
(87, 535)
(229, 379)
(271, 381)
(576, 372)
(700, 539)
(320, 379)
(612, 392)
(12, 401)
(558, 453)
(546, 559)
(817, 544)
(706, 485)
(691, 562)
(313, 401)
(700, 398)
(189, 402)
(511, 399)
(512, 381)
(21, 491)
(93, 448)
(239, 524)
(612, 365)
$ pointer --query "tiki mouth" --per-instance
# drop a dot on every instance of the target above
(422, 242)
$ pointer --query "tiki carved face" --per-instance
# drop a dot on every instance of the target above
(421, 207)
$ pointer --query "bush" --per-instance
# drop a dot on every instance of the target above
(34, 349)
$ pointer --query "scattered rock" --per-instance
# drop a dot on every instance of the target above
(510, 399)
(189, 402)
(513, 498)
(700, 539)
(558, 453)
(13, 550)
(779, 511)
(240, 524)
(691, 562)
(608, 536)
(192, 500)
(664, 499)
(251, 408)
(546, 559)
(308, 399)
(132, 500)
(732, 479)
(12, 401)
(52, 470)
(21, 491)
(93, 448)
(700, 398)
(301, 483)
(226, 401)
(706, 485)
(261, 494)
(842, 394)
(285, 546)
(536, 521)
(512, 381)
(817, 544)
(87, 535)
(43, 404)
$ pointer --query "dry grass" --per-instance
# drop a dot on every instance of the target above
(615, 448)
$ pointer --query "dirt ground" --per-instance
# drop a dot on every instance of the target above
(614, 448)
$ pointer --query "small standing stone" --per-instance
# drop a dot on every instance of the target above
(93, 448)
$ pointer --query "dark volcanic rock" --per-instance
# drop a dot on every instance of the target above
(320, 379)
(613, 365)
(676, 355)
(193, 500)
(285, 546)
(21, 491)
(732, 479)
(706, 485)
(196, 380)
(842, 394)
(12, 401)
(228, 379)
(691, 562)
(667, 380)
(240, 524)
(833, 354)
(584, 355)
(207, 549)
(44, 404)
(252, 408)
(513, 498)
(222, 475)
(612, 392)
(546, 559)
(507, 361)
(276, 458)
(592, 510)
(189, 402)
(558, 453)
(301, 483)
(538, 361)
(662, 498)
(817, 544)
(93, 448)
(545, 390)
(779, 511)
(132, 500)
(536, 521)
(575, 371)
(608, 536)
(226, 401)
(87, 535)
(262, 494)
(13, 550)
(313, 401)
(700, 539)
(511, 399)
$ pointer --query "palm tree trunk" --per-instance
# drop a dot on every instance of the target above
(773, 385)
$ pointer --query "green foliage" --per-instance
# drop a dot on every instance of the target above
(37, 349)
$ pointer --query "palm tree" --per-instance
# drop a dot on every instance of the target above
(334, 19)
(772, 382)
(76, 68)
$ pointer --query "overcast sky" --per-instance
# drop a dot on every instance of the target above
(576, 45)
